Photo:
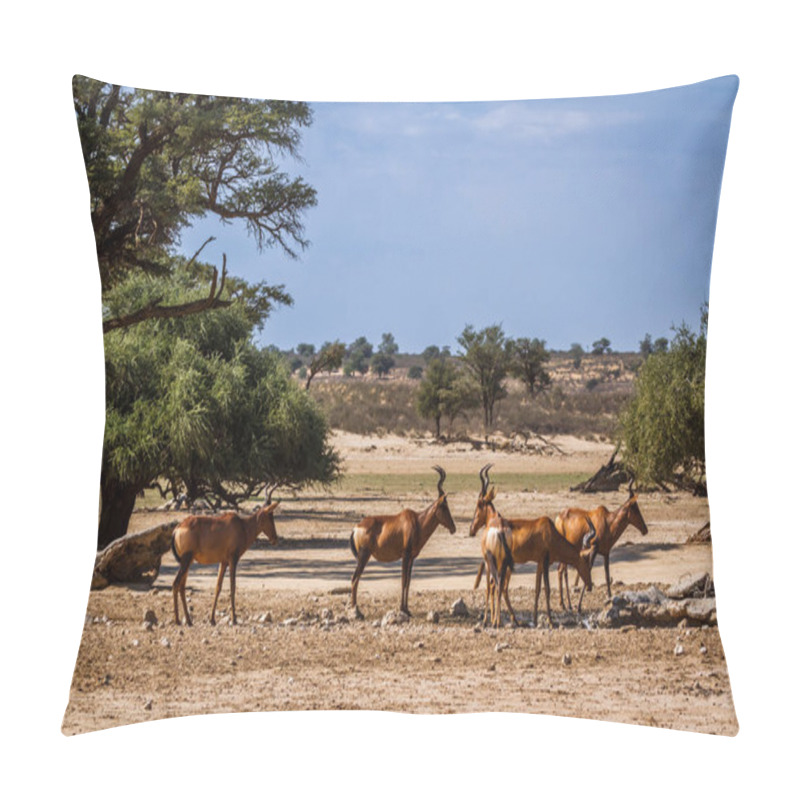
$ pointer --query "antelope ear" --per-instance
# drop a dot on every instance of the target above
(634, 498)
(490, 495)
(271, 507)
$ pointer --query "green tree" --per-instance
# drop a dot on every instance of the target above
(662, 430)
(382, 361)
(305, 350)
(157, 161)
(528, 357)
(433, 351)
(577, 353)
(601, 346)
(444, 392)
(329, 358)
(487, 355)
(646, 345)
(661, 345)
(358, 356)
(190, 400)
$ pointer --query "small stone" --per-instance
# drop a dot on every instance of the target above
(148, 706)
(477, 629)
(394, 618)
(491, 668)
(204, 640)
(678, 650)
(703, 649)
(566, 659)
(419, 645)
(459, 609)
(165, 642)
(107, 680)
(148, 626)
(433, 616)
(289, 621)
(266, 617)
(500, 646)
(150, 616)
(135, 642)
(326, 614)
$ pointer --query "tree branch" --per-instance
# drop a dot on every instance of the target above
(154, 310)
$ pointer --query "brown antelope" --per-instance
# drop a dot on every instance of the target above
(399, 536)
(532, 540)
(496, 556)
(218, 540)
(574, 523)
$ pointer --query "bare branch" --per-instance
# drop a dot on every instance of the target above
(154, 310)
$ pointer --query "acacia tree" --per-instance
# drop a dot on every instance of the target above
(156, 161)
(329, 358)
(528, 357)
(358, 356)
(487, 355)
(662, 431)
(444, 392)
(191, 400)
(382, 361)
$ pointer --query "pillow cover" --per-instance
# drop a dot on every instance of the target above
(438, 354)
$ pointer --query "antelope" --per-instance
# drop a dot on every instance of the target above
(497, 558)
(573, 524)
(532, 540)
(222, 540)
(399, 536)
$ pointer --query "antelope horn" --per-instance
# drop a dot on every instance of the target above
(442, 476)
(271, 487)
(484, 473)
(630, 488)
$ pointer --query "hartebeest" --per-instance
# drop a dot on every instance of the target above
(532, 540)
(218, 540)
(399, 536)
(610, 525)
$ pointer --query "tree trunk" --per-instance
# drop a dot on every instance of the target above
(437, 420)
(116, 506)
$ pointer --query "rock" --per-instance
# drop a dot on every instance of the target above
(165, 642)
(703, 649)
(701, 610)
(135, 643)
(148, 626)
(566, 660)
(419, 645)
(678, 650)
(290, 621)
(326, 614)
(698, 584)
(150, 616)
(266, 617)
(459, 609)
(650, 596)
(148, 706)
(500, 646)
(394, 618)
(433, 616)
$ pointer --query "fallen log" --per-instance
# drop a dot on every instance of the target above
(702, 536)
(607, 479)
(135, 558)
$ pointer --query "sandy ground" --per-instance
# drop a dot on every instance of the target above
(297, 648)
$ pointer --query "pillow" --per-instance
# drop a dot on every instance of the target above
(463, 337)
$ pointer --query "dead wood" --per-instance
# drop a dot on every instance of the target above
(135, 558)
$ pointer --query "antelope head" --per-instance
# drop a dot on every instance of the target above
(442, 509)
(484, 505)
(633, 511)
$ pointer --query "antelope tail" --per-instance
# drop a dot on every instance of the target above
(509, 559)
(172, 547)
(478, 578)
(353, 544)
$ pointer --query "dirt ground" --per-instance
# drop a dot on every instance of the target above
(296, 647)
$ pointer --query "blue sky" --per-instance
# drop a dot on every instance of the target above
(566, 220)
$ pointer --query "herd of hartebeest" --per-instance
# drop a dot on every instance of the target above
(573, 539)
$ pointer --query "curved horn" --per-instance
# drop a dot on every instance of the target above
(484, 473)
(270, 488)
(630, 488)
(442, 476)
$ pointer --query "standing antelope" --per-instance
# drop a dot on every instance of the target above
(402, 535)
(532, 540)
(222, 540)
(574, 523)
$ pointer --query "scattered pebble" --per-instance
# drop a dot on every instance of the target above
(433, 616)
(459, 609)
(678, 650)
(566, 660)
(165, 642)
(135, 642)
(500, 646)
(150, 616)
(419, 645)
(703, 649)
(148, 706)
